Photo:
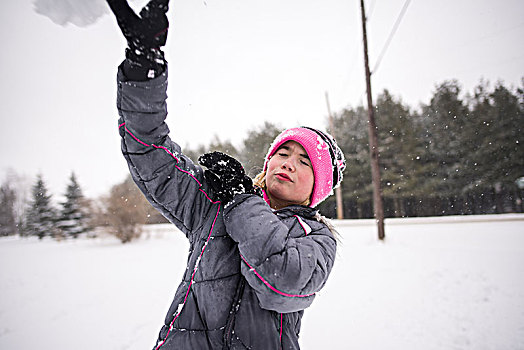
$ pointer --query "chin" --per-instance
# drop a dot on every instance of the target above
(283, 197)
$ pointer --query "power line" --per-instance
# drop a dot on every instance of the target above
(391, 34)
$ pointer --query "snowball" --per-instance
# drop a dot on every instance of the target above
(78, 12)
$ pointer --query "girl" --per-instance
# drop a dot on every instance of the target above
(257, 257)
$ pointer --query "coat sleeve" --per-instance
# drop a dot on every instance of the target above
(170, 181)
(285, 267)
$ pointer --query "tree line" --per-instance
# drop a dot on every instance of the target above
(458, 154)
(39, 216)
(121, 213)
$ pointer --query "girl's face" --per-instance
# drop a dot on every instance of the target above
(289, 176)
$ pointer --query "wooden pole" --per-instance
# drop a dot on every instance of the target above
(338, 190)
(373, 140)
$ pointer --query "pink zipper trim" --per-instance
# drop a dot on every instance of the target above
(305, 227)
(271, 287)
(281, 316)
(208, 237)
(266, 197)
(191, 282)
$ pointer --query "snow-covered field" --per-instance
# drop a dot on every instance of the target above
(438, 283)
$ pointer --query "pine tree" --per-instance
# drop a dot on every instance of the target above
(40, 216)
(352, 138)
(445, 122)
(7, 211)
(498, 152)
(504, 143)
(73, 219)
(401, 153)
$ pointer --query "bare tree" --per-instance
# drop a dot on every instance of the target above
(126, 211)
(21, 185)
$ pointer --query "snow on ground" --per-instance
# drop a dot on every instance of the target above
(438, 283)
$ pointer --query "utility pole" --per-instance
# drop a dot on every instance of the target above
(373, 140)
(338, 190)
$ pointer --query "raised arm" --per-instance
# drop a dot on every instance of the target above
(171, 182)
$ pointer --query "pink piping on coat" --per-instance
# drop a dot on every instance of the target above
(208, 237)
(271, 287)
(305, 226)
(281, 316)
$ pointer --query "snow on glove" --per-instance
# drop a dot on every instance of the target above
(225, 175)
(145, 33)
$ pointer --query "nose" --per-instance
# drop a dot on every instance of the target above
(289, 164)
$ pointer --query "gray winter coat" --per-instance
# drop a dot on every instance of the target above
(251, 271)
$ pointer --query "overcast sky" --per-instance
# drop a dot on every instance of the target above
(233, 64)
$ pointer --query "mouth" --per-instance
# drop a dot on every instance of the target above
(283, 177)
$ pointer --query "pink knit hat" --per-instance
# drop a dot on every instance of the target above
(326, 158)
